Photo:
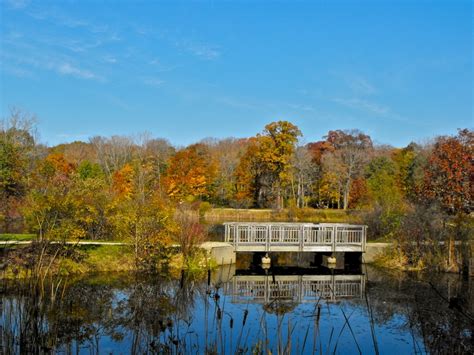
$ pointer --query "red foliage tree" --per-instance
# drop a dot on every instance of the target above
(449, 176)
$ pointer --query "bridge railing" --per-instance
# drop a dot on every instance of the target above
(318, 235)
(295, 234)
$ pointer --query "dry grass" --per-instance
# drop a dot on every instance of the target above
(294, 215)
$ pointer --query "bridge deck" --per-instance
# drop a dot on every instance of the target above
(295, 237)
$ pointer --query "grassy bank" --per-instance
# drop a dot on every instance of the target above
(99, 258)
(219, 215)
(59, 259)
(17, 237)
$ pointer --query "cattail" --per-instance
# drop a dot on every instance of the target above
(219, 314)
(162, 325)
(181, 281)
(231, 323)
(246, 313)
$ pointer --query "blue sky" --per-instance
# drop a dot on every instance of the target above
(400, 71)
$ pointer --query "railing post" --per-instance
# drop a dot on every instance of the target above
(333, 286)
(364, 238)
(237, 236)
(301, 237)
(333, 238)
(268, 237)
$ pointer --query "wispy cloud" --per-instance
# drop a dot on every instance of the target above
(364, 105)
(119, 102)
(151, 81)
(159, 66)
(374, 108)
(16, 71)
(302, 107)
(69, 69)
(110, 59)
(21, 64)
(235, 103)
(78, 46)
(18, 4)
(59, 18)
(199, 49)
(361, 86)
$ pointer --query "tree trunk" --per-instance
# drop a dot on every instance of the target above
(346, 199)
(279, 204)
(346, 194)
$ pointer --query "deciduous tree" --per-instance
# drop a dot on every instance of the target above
(346, 161)
(191, 174)
(449, 177)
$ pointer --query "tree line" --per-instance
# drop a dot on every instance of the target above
(123, 186)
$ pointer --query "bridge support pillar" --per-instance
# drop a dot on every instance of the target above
(334, 260)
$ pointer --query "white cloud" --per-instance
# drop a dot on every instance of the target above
(69, 69)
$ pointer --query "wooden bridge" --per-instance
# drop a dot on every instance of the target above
(295, 288)
(295, 237)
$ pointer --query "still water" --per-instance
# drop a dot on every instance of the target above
(241, 311)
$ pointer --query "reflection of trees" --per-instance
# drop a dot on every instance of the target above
(84, 314)
(146, 311)
(436, 312)
(38, 319)
(84, 311)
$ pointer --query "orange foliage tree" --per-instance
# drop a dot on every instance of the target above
(122, 181)
(191, 174)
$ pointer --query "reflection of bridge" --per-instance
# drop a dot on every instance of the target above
(295, 288)
(295, 237)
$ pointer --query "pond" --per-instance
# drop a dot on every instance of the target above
(364, 310)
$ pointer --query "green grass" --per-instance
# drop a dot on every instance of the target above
(27, 237)
(100, 258)
(17, 237)
(109, 257)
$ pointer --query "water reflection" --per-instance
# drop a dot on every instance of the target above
(295, 288)
(239, 312)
